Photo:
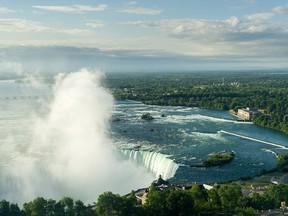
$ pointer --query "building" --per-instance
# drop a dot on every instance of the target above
(247, 114)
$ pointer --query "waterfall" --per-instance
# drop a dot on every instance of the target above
(155, 162)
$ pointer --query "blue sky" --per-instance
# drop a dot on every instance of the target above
(244, 31)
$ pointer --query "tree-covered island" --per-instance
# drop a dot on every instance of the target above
(219, 158)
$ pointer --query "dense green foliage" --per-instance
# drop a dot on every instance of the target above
(50, 207)
(214, 90)
(282, 160)
(224, 199)
(219, 158)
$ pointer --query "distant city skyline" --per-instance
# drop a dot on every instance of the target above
(244, 33)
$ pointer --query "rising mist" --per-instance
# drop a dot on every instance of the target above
(70, 153)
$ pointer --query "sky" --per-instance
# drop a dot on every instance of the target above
(240, 33)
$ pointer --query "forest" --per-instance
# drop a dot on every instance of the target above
(224, 199)
(264, 90)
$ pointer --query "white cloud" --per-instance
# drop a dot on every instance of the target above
(140, 10)
(73, 8)
(72, 31)
(259, 16)
(20, 25)
(204, 29)
(141, 23)
(199, 27)
(251, 1)
(233, 21)
(132, 3)
(280, 9)
(4, 10)
(95, 23)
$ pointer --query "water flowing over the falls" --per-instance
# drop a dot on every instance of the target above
(155, 162)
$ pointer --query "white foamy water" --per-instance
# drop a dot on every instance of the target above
(155, 162)
(205, 135)
(196, 118)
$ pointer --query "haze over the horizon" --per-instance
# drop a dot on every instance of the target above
(153, 35)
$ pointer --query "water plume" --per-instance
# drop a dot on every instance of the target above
(70, 153)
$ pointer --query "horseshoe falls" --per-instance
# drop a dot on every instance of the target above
(155, 162)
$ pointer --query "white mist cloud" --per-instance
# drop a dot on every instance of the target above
(70, 152)
(11, 69)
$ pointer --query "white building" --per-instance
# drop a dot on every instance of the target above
(248, 114)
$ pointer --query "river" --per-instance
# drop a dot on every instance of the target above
(188, 135)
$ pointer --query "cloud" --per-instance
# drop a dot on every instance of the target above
(132, 3)
(95, 23)
(259, 16)
(204, 29)
(223, 37)
(140, 10)
(233, 21)
(22, 25)
(4, 10)
(195, 28)
(280, 9)
(74, 31)
(251, 1)
(73, 8)
(141, 23)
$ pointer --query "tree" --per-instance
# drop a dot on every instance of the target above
(229, 196)
(36, 207)
(179, 203)
(68, 205)
(199, 196)
(15, 210)
(260, 202)
(244, 211)
(155, 202)
(277, 194)
(4, 208)
(131, 206)
(81, 210)
(214, 202)
(50, 207)
(109, 204)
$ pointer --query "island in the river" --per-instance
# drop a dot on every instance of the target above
(219, 158)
